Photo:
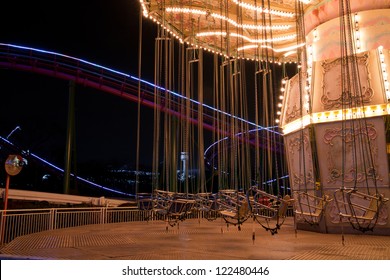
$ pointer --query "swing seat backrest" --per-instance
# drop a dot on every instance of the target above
(310, 205)
(283, 206)
(319, 207)
(243, 210)
(177, 206)
(367, 206)
(180, 207)
(145, 204)
(372, 209)
(145, 201)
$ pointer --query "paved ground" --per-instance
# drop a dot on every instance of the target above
(194, 240)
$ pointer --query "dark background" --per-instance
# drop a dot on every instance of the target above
(104, 32)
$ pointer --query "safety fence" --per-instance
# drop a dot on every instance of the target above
(20, 222)
(15, 223)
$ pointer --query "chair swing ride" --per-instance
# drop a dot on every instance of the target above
(331, 113)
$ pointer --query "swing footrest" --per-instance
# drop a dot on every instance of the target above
(231, 214)
(313, 214)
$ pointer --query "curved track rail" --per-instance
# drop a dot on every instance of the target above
(110, 81)
(82, 72)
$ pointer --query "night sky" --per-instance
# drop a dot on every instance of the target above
(105, 32)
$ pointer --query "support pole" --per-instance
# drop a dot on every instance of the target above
(69, 137)
(4, 217)
(6, 192)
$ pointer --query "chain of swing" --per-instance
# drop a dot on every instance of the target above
(357, 146)
(179, 144)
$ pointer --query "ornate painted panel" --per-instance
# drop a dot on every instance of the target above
(299, 158)
(328, 94)
(291, 110)
(352, 151)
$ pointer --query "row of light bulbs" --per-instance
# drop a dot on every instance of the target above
(174, 34)
(385, 76)
(246, 38)
(306, 103)
(281, 98)
(337, 115)
(308, 79)
(357, 33)
(263, 10)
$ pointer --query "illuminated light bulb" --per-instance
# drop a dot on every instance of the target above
(357, 34)
(289, 53)
(185, 11)
(260, 9)
(315, 33)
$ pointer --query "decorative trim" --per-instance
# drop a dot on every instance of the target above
(350, 135)
(350, 99)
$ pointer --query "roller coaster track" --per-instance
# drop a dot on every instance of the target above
(82, 72)
(116, 83)
(31, 157)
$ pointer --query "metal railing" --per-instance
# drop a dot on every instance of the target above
(15, 223)
(20, 222)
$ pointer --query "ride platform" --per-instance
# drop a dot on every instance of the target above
(194, 240)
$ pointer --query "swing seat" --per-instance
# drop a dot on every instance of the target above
(233, 206)
(268, 206)
(268, 210)
(239, 213)
(208, 205)
(145, 201)
(227, 213)
(359, 207)
(370, 211)
(206, 202)
(314, 209)
(230, 200)
(179, 208)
